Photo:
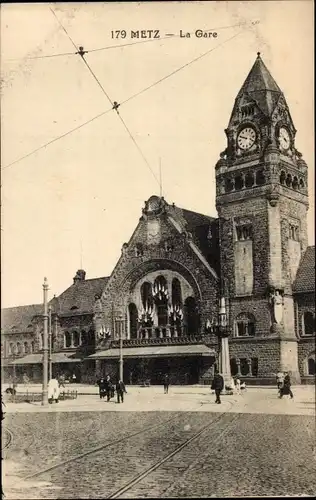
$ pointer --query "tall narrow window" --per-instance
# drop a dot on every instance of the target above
(133, 318)
(309, 323)
(67, 339)
(75, 338)
(191, 316)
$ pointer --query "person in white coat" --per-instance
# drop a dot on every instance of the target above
(238, 388)
(53, 390)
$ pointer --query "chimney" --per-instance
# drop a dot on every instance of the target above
(80, 276)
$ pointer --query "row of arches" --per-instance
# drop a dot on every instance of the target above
(291, 181)
(245, 180)
(163, 319)
(19, 348)
(245, 325)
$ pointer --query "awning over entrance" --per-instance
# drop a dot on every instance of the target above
(57, 357)
(155, 352)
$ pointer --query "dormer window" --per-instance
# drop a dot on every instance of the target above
(139, 250)
(248, 110)
(244, 232)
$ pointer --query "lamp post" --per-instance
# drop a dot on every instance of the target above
(50, 364)
(220, 329)
(45, 345)
(121, 322)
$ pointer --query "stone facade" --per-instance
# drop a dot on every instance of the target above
(163, 295)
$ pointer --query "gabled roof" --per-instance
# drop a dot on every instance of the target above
(305, 276)
(19, 319)
(79, 297)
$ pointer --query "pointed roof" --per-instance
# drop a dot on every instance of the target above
(305, 276)
(261, 87)
(259, 78)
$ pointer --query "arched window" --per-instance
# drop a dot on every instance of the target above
(239, 182)
(308, 323)
(288, 180)
(245, 325)
(176, 292)
(282, 177)
(311, 365)
(260, 177)
(161, 296)
(26, 347)
(295, 183)
(133, 319)
(11, 348)
(302, 184)
(18, 348)
(32, 347)
(229, 185)
(249, 180)
(67, 339)
(244, 366)
(146, 294)
(233, 367)
(75, 338)
(191, 316)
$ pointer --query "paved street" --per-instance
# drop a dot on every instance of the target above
(156, 445)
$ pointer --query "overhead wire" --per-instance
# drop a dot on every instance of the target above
(114, 105)
(123, 102)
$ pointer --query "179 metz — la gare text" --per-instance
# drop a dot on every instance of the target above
(181, 269)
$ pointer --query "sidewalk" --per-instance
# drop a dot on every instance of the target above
(181, 398)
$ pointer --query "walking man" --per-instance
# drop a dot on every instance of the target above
(102, 389)
(286, 389)
(166, 383)
(280, 381)
(120, 389)
(217, 386)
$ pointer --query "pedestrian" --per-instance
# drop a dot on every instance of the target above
(108, 388)
(238, 386)
(217, 386)
(280, 381)
(53, 390)
(120, 390)
(102, 387)
(74, 378)
(166, 383)
(286, 389)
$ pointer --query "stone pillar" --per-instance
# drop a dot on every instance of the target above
(238, 367)
(249, 367)
(225, 362)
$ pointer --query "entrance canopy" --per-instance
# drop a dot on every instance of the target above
(155, 352)
(57, 357)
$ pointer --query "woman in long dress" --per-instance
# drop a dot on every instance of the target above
(53, 390)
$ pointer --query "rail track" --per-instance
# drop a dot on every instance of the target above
(7, 438)
(123, 449)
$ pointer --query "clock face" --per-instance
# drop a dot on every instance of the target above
(284, 138)
(246, 138)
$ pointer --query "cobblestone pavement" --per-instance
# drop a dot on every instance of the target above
(242, 451)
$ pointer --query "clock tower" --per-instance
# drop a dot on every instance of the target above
(262, 202)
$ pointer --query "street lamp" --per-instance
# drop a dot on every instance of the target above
(45, 345)
(50, 364)
(121, 347)
(220, 329)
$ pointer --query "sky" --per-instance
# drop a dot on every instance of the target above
(75, 202)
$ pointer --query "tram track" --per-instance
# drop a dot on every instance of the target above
(9, 440)
(102, 447)
(138, 454)
(145, 474)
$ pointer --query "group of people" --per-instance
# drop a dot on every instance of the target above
(107, 389)
(284, 384)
